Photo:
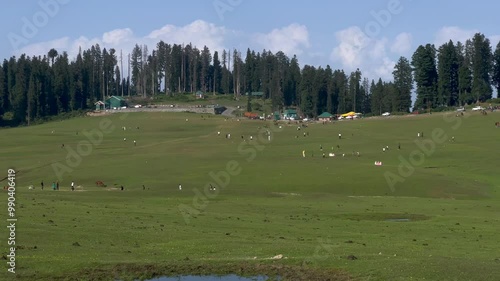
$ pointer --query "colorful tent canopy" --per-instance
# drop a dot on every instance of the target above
(352, 113)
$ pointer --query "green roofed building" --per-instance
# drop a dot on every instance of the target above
(115, 102)
(290, 114)
(325, 116)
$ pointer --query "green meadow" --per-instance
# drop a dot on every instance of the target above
(429, 212)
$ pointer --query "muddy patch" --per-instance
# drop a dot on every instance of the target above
(393, 217)
(231, 277)
(284, 194)
(398, 220)
(272, 270)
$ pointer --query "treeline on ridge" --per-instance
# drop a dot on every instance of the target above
(454, 74)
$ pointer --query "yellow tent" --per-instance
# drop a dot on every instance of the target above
(352, 113)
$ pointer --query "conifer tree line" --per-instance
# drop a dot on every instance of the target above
(454, 74)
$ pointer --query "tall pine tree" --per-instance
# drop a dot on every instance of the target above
(481, 65)
(448, 68)
(403, 84)
(425, 75)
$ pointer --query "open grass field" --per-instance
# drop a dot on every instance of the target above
(430, 212)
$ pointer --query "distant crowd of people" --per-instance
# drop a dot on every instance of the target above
(55, 185)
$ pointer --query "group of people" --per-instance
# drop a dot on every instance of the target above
(55, 185)
(125, 139)
(135, 143)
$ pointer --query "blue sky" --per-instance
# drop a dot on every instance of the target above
(369, 35)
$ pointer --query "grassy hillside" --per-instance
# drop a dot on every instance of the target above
(430, 212)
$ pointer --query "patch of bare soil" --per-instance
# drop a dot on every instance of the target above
(149, 271)
(97, 113)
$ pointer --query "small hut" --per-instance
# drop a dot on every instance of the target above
(99, 105)
(325, 116)
(200, 95)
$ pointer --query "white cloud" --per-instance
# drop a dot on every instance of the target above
(352, 43)
(42, 48)
(385, 69)
(494, 39)
(353, 49)
(453, 33)
(402, 44)
(291, 40)
(356, 50)
(199, 33)
(117, 36)
(456, 34)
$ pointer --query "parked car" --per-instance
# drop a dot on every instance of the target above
(478, 108)
(461, 109)
(386, 114)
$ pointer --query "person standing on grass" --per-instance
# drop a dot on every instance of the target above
(41, 184)
(53, 185)
(72, 186)
(57, 185)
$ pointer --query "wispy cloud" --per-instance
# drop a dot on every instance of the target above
(453, 33)
(199, 33)
(291, 40)
(352, 49)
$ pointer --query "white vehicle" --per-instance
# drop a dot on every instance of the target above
(478, 108)
(461, 109)
(386, 114)
(137, 106)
